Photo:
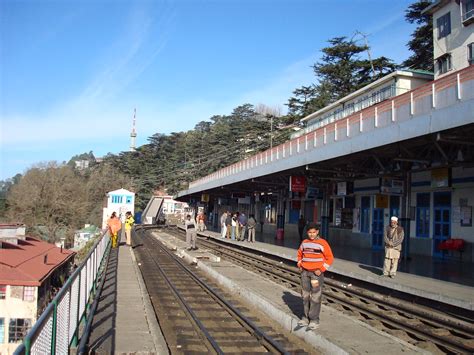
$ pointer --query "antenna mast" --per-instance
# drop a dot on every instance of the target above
(357, 32)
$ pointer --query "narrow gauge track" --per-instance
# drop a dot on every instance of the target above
(418, 324)
(193, 316)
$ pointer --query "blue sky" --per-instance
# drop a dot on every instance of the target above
(72, 71)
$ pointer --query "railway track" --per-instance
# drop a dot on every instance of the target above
(197, 318)
(433, 326)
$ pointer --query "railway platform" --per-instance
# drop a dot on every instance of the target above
(449, 282)
(338, 332)
(124, 322)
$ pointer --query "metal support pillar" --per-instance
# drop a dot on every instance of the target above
(405, 220)
(280, 230)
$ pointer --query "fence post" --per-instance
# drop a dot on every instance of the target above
(55, 321)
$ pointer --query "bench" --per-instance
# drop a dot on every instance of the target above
(453, 244)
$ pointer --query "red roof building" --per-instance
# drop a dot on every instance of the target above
(31, 271)
(30, 261)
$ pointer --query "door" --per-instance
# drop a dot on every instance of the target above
(441, 219)
(377, 229)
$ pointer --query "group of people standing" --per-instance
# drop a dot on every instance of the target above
(114, 224)
(236, 225)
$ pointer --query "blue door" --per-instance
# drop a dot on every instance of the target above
(377, 229)
(395, 206)
(441, 220)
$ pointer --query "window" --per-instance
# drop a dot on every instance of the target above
(128, 199)
(444, 25)
(470, 53)
(468, 12)
(444, 63)
(3, 292)
(116, 199)
(18, 329)
(28, 293)
(2, 330)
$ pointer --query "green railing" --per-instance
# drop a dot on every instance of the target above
(58, 328)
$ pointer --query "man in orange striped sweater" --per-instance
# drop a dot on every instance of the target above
(314, 258)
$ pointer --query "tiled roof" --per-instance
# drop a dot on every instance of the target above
(24, 264)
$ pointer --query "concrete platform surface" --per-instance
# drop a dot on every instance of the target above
(338, 333)
(125, 322)
(431, 288)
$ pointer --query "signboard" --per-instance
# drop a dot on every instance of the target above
(440, 177)
(342, 188)
(391, 186)
(297, 183)
(312, 193)
(204, 197)
(381, 201)
(244, 200)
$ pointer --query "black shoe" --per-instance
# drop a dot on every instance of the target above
(195, 248)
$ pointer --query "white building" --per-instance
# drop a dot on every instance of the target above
(82, 236)
(453, 35)
(391, 85)
(118, 201)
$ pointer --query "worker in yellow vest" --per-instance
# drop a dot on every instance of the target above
(129, 222)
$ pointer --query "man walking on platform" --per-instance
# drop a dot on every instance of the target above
(251, 224)
(114, 224)
(242, 226)
(190, 233)
(223, 227)
(393, 238)
(314, 258)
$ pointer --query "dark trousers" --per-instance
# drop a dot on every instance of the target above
(311, 291)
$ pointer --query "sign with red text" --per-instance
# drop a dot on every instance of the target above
(297, 183)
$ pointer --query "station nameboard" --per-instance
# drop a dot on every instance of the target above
(297, 183)
(440, 177)
(392, 186)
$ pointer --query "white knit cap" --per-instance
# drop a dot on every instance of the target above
(394, 219)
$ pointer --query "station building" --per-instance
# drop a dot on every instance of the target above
(400, 146)
(119, 201)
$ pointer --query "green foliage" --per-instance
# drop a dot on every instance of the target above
(170, 162)
(340, 72)
(54, 200)
(421, 43)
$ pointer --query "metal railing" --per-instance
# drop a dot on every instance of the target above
(57, 329)
(418, 102)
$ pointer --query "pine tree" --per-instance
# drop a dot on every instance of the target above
(421, 43)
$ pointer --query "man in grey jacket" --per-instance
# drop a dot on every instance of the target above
(393, 237)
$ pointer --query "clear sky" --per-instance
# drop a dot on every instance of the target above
(72, 71)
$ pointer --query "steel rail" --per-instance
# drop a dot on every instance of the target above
(210, 341)
(259, 334)
(418, 328)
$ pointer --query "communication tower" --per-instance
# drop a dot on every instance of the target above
(133, 133)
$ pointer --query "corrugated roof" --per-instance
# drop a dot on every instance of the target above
(24, 264)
